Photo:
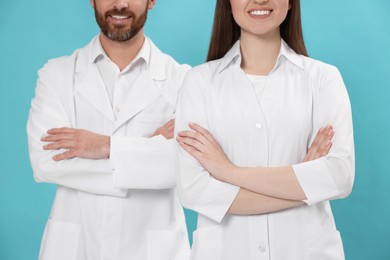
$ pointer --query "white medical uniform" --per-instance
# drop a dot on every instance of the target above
(124, 207)
(273, 126)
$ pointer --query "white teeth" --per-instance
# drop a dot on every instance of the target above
(119, 17)
(260, 12)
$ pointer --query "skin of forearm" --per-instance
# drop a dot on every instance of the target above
(278, 182)
(251, 203)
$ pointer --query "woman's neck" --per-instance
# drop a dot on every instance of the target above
(259, 53)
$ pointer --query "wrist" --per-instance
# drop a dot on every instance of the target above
(231, 173)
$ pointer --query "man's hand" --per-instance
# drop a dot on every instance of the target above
(80, 143)
(166, 130)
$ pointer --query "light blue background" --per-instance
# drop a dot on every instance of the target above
(354, 35)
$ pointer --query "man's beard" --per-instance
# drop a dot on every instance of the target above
(120, 33)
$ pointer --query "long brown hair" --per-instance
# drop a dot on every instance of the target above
(226, 31)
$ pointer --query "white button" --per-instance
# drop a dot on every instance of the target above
(259, 126)
(262, 249)
(117, 109)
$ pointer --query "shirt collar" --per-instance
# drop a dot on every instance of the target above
(290, 55)
(97, 52)
(285, 51)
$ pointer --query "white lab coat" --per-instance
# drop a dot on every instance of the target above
(122, 208)
(301, 95)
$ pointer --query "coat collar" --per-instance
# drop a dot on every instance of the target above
(234, 56)
(88, 54)
(97, 52)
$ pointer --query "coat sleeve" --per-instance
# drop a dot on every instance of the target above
(198, 190)
(51, 108)
(142, 163)
(330, 177)
(147, 163)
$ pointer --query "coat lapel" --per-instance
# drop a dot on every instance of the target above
(146, 88)
(92, 88)
(143, 92)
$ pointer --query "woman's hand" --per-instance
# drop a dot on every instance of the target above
(204, 148)
(321, 144)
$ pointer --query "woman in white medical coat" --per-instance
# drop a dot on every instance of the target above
(244, 123)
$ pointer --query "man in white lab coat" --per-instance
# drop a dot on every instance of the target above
(101, 128)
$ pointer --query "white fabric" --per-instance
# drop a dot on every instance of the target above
(259, 83)
(118, 83)
(122, 208)
(301, 95)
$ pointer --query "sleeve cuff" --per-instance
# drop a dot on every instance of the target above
(315, 180)
(216, 199)
(142, 163)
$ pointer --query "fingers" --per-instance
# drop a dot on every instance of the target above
(57, 137)
(170, 131)
(326, 144)
(328, 132)
(169, 136)
(324, 149)
(191, 150)
(171, 122)
(193, 135)
(167, 130)
(196, 139)
(61, 130)
(59, 134)
(200, 138)
(203, 131)
(188, 138)
(321, 144)
(65, 155)
(60, 138)
(325, 133)
(66, 144)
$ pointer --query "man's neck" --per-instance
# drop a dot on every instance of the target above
(122, 53)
